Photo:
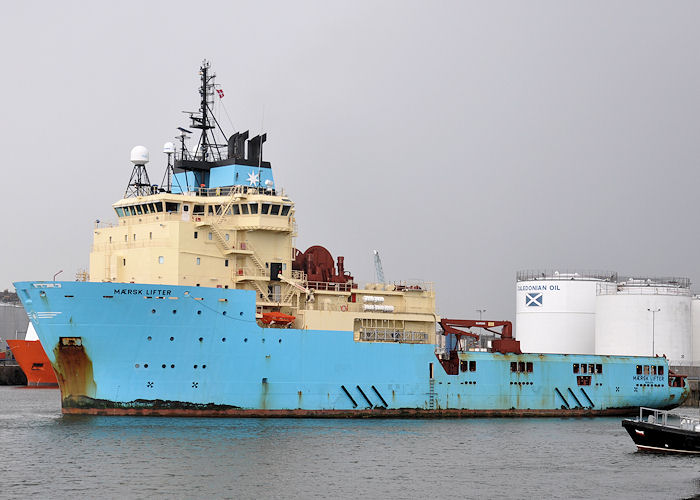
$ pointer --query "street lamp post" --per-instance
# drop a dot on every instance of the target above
(481, 311)
(653, 321)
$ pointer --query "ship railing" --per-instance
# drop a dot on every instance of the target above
(668, 419)
(231, 190)
(389, 335)
(329, 286)
(298, 275)
(402, 286)
(247, 272)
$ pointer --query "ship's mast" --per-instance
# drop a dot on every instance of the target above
(205, 119)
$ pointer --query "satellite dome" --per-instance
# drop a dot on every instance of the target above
(168, 148)
(268, 183)
(139, 155)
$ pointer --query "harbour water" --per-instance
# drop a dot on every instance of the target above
(47, 455)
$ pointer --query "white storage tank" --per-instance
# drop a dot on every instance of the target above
(695, 328)
(555, 311)
(645, 317)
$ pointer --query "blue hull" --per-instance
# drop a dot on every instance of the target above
(155, 349)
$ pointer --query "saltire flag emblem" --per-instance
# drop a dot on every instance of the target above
(533, 299)
(221, 93)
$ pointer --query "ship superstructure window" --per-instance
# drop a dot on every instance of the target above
(161, 259)
(120, 211)
(150, 236)
(139, 210)
(583, 380)
(472, 366)
(253, 208)
(226, 236)
(198, 210)
(575, 367)
(244, 209)
(236, 209)
(210, 236)
(285, 209)
(159, 206)
(195, 235)
(275, 210)
(199, 261)
(226, 263)
(650, 370)
(171, 207)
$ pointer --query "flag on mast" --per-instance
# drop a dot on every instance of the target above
(221, 93)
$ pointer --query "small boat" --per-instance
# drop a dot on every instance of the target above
(660, 431)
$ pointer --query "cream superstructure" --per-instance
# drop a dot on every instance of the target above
(239, 240)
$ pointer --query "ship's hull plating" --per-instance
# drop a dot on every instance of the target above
(132, 349)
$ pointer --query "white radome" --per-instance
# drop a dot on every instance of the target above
(139, 155)
(168, 148)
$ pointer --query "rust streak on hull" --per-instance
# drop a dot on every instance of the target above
(73, 369)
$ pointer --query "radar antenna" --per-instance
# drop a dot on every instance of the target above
(139, 184)
(378, 271)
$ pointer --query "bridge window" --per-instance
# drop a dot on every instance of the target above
(285, 209)
(172, 207)
(275, 210)
(120, 211)
(210, 209)
(198, 210)
(139, 210)
(253, 208)
(236, 209)
(575, 367)
(265, 208)
(244, 209)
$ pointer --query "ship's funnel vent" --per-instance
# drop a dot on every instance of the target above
(255, 147)
(236, 145)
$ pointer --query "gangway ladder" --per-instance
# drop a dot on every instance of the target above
(431, 395)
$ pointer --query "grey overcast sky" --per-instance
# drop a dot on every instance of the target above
(463, 140)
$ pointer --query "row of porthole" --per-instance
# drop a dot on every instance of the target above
(199, 311)
(223, 339)
(649, 385)
(145, 365)
(521, 383)
(469, 382)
